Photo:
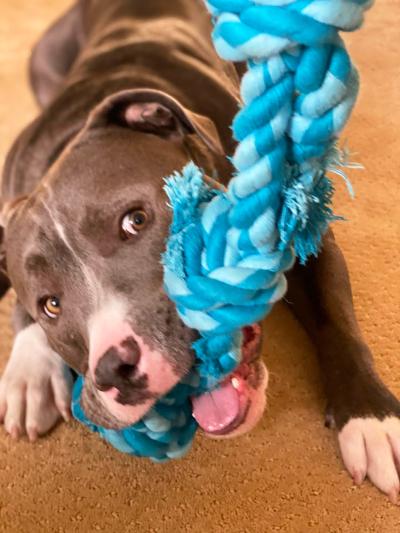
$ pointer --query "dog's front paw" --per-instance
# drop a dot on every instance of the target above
(35, 389)
(371, 448)
(367, 417)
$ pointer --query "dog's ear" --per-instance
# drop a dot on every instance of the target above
(154, 112)
(7, 209)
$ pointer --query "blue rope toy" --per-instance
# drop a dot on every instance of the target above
(227, 252)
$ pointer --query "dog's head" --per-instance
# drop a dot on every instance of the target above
(84, 248)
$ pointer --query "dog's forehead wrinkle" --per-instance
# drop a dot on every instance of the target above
(118, 155)
(93, 286)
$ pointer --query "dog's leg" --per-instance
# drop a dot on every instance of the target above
(35, 389)
(54, 54)
(364, 411)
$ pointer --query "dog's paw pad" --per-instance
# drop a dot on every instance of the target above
(371, 448)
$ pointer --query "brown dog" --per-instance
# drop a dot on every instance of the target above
(130, 91)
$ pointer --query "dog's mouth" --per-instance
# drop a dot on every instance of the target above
(233, 408)
(239, 401)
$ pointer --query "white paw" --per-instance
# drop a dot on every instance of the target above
(35, 389)
(371, 447)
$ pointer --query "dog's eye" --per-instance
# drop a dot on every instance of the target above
(51, 306)
(133, 222)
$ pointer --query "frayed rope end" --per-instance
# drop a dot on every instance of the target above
(307, 203)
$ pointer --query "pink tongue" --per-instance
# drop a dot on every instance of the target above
(216, 410)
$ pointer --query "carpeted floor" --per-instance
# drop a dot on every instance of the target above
(287, 475)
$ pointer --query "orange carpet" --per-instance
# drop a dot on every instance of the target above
(287, 475)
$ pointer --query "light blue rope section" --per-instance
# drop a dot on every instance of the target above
(227, 253)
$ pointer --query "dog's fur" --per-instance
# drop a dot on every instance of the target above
(130, 91)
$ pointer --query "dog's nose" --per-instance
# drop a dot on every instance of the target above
(117, 366)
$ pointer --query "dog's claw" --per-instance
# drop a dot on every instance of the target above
(329, 419)
(32, 434)
(66, 414)
(358, 477)
(393, 496)
(15, 432)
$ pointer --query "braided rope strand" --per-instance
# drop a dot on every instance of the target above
(297, 94)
